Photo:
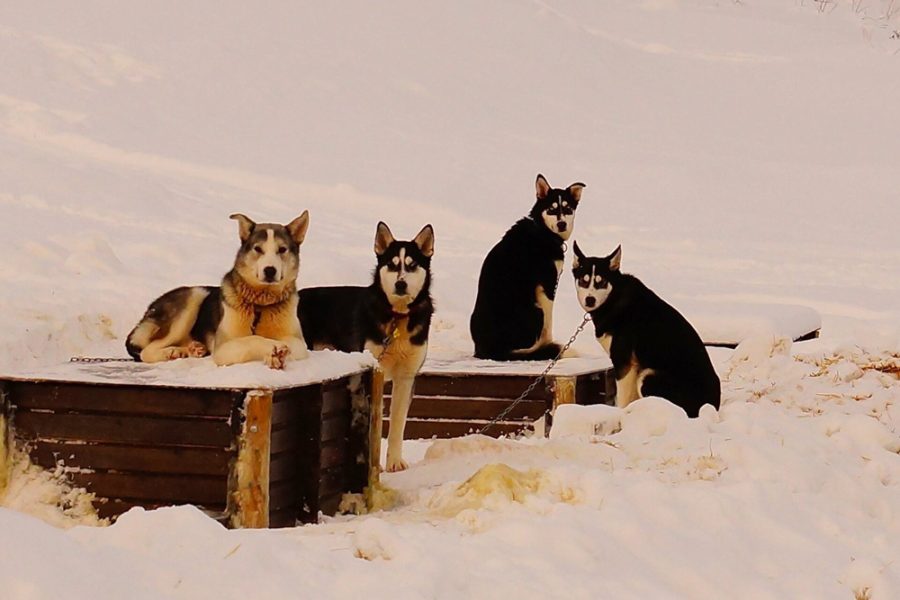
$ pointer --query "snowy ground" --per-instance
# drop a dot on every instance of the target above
(742, 152)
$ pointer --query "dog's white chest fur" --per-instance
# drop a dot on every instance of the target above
(605, 340)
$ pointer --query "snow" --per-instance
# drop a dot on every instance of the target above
(743, 153)
(324, 365)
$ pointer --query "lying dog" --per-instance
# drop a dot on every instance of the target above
(390, 318)
(654, 350)
(513, 315)
(251, 316)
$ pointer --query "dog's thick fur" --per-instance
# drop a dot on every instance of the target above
(654, 350)
(513, 315)
(390, 318)
(251, 316)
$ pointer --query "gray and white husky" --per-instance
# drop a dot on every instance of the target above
(390, 318)
(251, 316)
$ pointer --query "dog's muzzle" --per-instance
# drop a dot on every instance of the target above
(590, 301)
(400, 288)
(269, 273)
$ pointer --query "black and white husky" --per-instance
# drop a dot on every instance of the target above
(389, 318)
(513, 315)
(654, 350)
(251, 316)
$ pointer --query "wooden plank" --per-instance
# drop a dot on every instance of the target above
(160, 431)
(335, 427)
(285, 494)
(593, 389)
(329, 505)
(376, 410)
(249, 483)
(292, 404)
(284, 466)
(335, 399)
(492, 386)
(563, 391)
(333, 481)
(122, 399)
(334, 453)
(286, 517)
(5, 439)
(479, 408)
(180, 489)
(429, 428)
(144, 459)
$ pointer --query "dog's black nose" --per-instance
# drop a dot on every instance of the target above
(590, 301)
(400, 286)
(562, 225)
(269, 273)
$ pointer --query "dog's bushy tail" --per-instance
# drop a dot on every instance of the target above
(548, 352)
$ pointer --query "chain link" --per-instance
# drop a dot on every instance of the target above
(503, 413)
(97, 359)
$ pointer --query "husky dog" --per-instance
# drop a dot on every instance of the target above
(251, 316)
(654, 350)
(389, 318)
(513, 316)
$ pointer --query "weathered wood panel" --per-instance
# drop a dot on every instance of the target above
(427, 429)
(476, 408)
(123, 429)
(143, 459)
(121, 399)
(153, 487)
(493, 386)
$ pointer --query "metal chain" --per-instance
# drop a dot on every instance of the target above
(97, 359)
(503, 413)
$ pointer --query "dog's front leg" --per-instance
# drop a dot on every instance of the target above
(401, 398)
(298, 347)
(250, 348)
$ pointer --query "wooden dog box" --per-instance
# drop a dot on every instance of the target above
(252, 456)
(456, 397)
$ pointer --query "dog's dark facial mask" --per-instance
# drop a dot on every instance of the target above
(593, 277)
(270, 253)
(403, 267)
(555, 208)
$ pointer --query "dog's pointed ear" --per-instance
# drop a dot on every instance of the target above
(615, 259)
(425, 240)
(297, 228)
(383, 238)
(245, 224)
(575, 191)
(541, 187)
(579, 255)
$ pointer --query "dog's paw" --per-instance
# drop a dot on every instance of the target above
(174, 352)
(395, 464)
(278, 358)
(197, 350)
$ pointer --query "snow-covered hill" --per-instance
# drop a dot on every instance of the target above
(740, 152)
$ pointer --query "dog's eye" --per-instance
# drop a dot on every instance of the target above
(411, 266)
(282, 250)
(257, 249)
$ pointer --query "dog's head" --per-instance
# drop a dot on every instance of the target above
(403, 270)
(269, 255)
(555, 208)
(594, 277)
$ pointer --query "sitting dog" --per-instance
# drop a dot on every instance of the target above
(389, 318)
(513, 315)
(654, 350)
(251, 316)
